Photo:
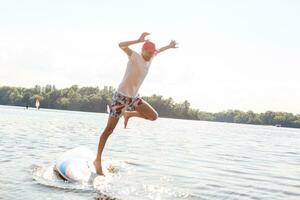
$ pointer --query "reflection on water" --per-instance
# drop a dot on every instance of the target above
(165, 159)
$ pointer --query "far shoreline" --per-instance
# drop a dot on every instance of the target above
(92, 112)
(95, 99)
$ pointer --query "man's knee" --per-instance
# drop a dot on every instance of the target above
(154, 116)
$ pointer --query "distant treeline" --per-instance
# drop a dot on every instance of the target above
(93, 99)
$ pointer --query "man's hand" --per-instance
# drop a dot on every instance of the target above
(173, 44)
(142, 37)
(169, 46)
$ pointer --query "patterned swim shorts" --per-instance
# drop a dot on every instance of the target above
(121, 103)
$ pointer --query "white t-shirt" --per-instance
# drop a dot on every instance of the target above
(136, 71)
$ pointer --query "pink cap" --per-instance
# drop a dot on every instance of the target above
(150, 46)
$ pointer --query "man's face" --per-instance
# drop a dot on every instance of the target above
(147, 54)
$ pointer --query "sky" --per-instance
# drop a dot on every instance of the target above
(232, 54)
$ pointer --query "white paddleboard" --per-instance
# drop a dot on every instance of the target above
(76, 165)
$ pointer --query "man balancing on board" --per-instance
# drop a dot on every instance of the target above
(126, 101)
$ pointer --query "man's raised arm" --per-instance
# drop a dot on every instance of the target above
(169, 46)
(125, 45)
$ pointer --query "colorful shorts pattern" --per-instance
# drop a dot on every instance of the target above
(121, 103)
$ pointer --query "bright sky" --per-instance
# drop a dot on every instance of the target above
(232, 54)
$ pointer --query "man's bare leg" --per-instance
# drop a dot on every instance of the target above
(128, 114)
(111, 124)
(144, 110)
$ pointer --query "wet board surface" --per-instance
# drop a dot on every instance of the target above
(76, 165)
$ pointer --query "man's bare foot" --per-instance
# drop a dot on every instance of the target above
(98, 168)
(126, 118)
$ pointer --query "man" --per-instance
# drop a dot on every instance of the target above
(126, 101)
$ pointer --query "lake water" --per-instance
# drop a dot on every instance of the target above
(165, 159)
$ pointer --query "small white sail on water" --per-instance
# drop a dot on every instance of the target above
(37, 104)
